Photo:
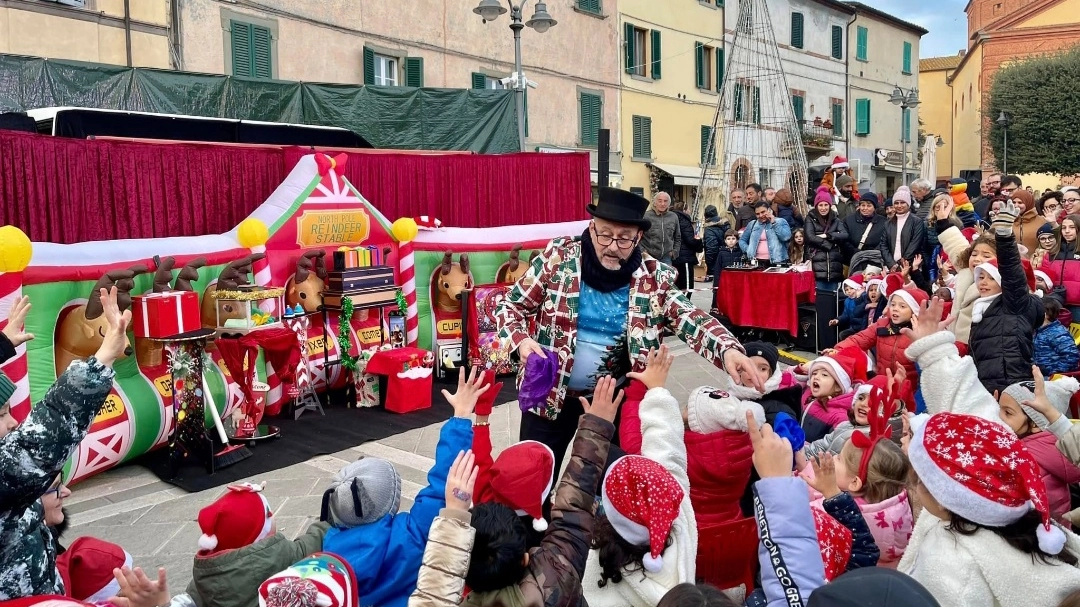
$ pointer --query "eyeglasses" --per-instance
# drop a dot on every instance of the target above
(605, 241)
(1072, 200)
(1047, 238)
(1009, 189)
(57, 489)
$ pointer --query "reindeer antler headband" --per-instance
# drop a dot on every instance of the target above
(879, 428)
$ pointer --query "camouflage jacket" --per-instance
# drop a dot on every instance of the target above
(30, 458)
(548, 296)
(553, 578)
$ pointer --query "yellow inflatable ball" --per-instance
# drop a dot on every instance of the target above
(15, 249)
(252, 233)
(404, 229)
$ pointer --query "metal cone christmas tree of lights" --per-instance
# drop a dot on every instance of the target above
(755, 136)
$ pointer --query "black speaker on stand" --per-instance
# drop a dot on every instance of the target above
(826, 305)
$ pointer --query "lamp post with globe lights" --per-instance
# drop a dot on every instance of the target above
(907, 100)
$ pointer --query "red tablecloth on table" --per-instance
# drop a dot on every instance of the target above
(408, 386)
(764, 300)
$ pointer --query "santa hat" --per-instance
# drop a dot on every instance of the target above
(521, 478)
(914, 298)
(980, 470)
(872, 270)
(846, 366)
(239, 518)
(44, 600)
(835, 541)
(1059, 392)
(87, 569)
(855, 281)
(970, 234)
(991, 269)
(881, 382)
(641, 500)
(1045, 278)
(427, 222)
(876, 282)
(823, 194)
(320, 580)
(840, 162)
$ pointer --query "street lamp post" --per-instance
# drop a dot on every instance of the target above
(490, 10)
(1003, 120)
(907, 100)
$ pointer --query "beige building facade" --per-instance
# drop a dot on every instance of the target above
(133, 33)
(431, 43)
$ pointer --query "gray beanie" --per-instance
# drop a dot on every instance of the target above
(1059, 392)
(361, 493)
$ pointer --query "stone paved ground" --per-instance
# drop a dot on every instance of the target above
(155, 522)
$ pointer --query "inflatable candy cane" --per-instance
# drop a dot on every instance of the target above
(15, 252)
(408, 289)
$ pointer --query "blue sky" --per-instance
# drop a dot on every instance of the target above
(944, 18)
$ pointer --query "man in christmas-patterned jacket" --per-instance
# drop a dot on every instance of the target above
(600, 305)
(33, 454)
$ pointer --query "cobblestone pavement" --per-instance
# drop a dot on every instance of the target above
(156, 522)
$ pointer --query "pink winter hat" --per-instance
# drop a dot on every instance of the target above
(823, 195)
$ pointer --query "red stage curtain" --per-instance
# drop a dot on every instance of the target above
(72, 190)
(471, 190)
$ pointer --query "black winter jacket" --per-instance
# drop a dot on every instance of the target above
(715, 228)
(787, 213)
(856, 227)
(725, 258)
(787, 400)
(912, 240)
(690, 246)
(824, 236)
(1003, 342)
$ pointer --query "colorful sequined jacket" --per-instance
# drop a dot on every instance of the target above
(547, 297)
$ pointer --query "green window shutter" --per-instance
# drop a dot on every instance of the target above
(656, 54)
(798, 106)
(837, 42)
(414, 72)
(861, 43)
(797, 30)
(628, 32)
(699, 64)
(591, 108)
(369, 66)
(737, 92)
(479, 81)
(642, 137)
(907, 57)
(241, 49)
(261, 56)
(708, 156)
(755, 100)
(862, 116)
(720, 70)
(838, 120)
(591, 6)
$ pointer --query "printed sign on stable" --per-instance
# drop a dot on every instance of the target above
(322, 228)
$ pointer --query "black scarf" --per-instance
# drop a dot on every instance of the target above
(594, 274)
(891, 330)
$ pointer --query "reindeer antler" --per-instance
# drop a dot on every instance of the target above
(320, 264)
(123, 280)
(235, 274)
(310, 260)
(163, 274)
(447, 262)
(464, 262)
(188, 273)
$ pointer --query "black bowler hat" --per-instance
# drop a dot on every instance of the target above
(620, 206)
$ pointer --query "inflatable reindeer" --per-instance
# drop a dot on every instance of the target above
(513, 269)
(82, 329)
(149, 352)
(234, 276)
(450, 281)
(306, 286)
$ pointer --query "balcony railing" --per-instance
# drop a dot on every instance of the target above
(816, 134)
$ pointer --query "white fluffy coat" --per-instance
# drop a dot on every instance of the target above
(948, 381)
(661, 441)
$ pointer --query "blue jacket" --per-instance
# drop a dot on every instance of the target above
(864, 551)
(855, 316)
(387, 554)
(778, 234)
(789, 553)
(725, 258)
(788, 214)
(1055, 349)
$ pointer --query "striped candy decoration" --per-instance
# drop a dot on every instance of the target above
(407, 270)
(261, 269)
(300, 326)
(16, 368)
(427, 222)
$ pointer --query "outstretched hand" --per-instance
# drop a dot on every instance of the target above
(115, 339)
(928, 321)
(137, 590)
(739, 365)
(464, 400)
(605, 403)
(461, 480)
(1041, 403)
(824, 481)
(15, 330)
(657, 367)
(772, 453)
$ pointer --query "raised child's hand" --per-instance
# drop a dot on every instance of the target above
(15, 330)
(464, 400)
(657, 367)
(1041, 402)
(772, 453)
(461, 480)
(605, 403)
(824, 480)
(115, 341)
(928, 321)
(137, 590)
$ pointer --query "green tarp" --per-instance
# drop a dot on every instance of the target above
(482, 121)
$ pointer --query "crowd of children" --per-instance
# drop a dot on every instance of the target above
(924, 461)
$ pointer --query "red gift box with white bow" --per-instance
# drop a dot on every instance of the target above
(161, 315)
